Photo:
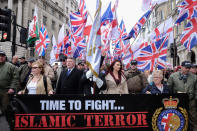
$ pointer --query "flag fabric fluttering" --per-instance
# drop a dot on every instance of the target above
(60, 43)
(189, 35)
(93, 56)
(53, 50)
(33, 33)
(164, 29)
(186, 10)
(121, 45)
(42, 43)
(115, 33)
(77, 26)
(153, 55)
(106, 26)
(146, 4)
(138, 26)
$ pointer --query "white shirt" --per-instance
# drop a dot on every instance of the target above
(32, 86)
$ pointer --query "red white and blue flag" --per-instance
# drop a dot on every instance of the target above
(106, 26)
(164, 29)
(153, 55)
(189, 35)
(82, 9)
(138, 26)
(41, 44)
(186, 10)
(121, 45)
(115, 33)
(77, 25)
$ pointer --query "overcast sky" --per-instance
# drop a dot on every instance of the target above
(128, 10)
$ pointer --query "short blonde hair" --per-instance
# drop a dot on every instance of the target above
(40, 65)
(158, 73)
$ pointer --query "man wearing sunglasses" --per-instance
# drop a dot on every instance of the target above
(186, 82)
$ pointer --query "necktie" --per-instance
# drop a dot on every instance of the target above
(68, 72)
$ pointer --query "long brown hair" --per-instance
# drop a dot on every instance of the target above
(111, 69)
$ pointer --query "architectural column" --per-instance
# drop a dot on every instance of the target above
(19, 12)
(10, 4)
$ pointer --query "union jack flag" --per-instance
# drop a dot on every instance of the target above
(82, 9)
(186, 10)
(106, 26)
(123, 34)
(138, 26)
(41, 44)
(189, 35)
(153, 55)
(165, 120)
(121, 44)
(80, 48)
(77, 23)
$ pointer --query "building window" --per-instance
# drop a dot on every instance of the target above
(53, 11)
(66, 20)
(60, 17)
(53, 25)
(32, 13)
(44, 6)
(45, 20)
(32, 51)
(67, 10)
(60, 26)
(71, 4)
(161, 15)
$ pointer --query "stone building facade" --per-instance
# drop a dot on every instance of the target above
(52, 13)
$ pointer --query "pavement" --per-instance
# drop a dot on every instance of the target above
(4, 124)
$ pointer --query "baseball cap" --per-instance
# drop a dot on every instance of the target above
(31, 60)
(133, 62)
(194, 65)
(2, 53)
(186, 64)
(22, 57)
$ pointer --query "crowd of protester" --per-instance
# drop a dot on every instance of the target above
(37, 77)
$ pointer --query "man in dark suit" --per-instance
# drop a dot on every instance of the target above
(69, 79)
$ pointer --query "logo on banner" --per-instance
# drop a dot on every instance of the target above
(170, 117)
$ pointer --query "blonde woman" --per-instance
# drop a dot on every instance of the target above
(35, 84)
(156, 86)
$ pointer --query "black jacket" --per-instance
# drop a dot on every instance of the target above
(86, 84)
(69, 84)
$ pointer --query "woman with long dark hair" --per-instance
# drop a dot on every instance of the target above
(115, 79)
